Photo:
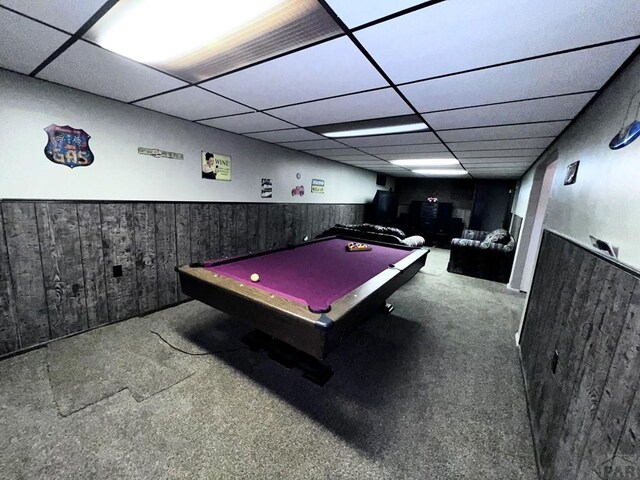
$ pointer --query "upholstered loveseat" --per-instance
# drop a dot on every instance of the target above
(368, 231)
(481, 254)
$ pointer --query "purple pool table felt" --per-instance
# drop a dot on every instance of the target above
(316, 274)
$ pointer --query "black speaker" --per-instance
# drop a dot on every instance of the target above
(384, 208)
(381, 180)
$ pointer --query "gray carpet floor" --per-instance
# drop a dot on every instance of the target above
(432, 391)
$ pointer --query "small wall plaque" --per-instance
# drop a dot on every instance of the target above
(156, 152)
(572, 173)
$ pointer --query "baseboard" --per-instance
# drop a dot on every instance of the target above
(534, 436)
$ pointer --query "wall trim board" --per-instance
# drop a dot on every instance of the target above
(71, 266)
(188, 202)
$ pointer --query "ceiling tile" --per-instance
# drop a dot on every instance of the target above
(560, 108)
(397, 139)
(461, 34)
(358, 12)
(68, 15)
(489, 160)
(351, 158)
(289, 135)
(309, 74)
(529, 152)
(512, 165)
(560, 74)
(377, 104)
(334, 151)
(93, 69)
(530, 130)
(247, 122)
(314, 144)
(193, 103)
(25, 43)
(500, 144)
(413, 156)
(425, 148)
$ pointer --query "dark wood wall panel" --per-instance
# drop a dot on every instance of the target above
(166, 253)
(9, 340)
(57, 258)
(144, 230)
(93, 265)
(23, 246)
(183, 239)
(585, 308)
(119, 251)
(59, 237)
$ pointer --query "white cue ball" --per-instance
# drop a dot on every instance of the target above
(255, 277)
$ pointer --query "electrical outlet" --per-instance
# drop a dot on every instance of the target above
(117, 271)
(554, 362)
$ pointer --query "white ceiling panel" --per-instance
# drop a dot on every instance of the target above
(359, 12)
(289, 135)
(490, 160)
(494, 176)
(93, 69)
(458, 35)
(247, 122)
(425, 148)
(413, 156)
(539, 110)
(500, 144)
(560, 74)
(397, 139)
(351, 158)
(334, 151)
(377, 104)
(528, 152)
(25, 43)
(193, 103)
(530, 130)
(68, 15)
(512, 165)
(315, 145)
(309, 74)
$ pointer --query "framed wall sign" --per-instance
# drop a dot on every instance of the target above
(216, 166)
(572, 173)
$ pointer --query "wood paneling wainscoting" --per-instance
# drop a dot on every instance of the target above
(69, 266)
(580, 350)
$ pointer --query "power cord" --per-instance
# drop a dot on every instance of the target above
(192, 353)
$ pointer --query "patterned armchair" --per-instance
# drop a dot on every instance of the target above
(481, 254)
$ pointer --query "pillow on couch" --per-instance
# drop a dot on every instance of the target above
(500, 236)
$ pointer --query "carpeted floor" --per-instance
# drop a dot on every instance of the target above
(433, 391)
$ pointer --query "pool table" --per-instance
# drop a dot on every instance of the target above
(309, 295)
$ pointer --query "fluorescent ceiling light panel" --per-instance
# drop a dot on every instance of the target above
(413, 127)
(426, 162)
(198, 39)
(439, 171)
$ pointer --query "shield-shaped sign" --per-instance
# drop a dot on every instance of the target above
(68, 146)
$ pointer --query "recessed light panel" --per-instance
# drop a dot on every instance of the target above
(196, 40)
(427, 162)
(440, 172)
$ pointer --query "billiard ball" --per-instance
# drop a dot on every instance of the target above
(255, 277)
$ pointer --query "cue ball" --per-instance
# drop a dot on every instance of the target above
(255, 277)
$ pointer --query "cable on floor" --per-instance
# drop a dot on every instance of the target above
(192, 353)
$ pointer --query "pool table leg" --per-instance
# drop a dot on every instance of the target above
(386, 308)
(288, 356)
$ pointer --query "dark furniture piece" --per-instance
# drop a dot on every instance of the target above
(384, 208)
(378, 233)
(309, 296)
(434, 221)
(481, 254)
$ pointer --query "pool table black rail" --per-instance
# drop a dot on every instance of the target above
(290, 321)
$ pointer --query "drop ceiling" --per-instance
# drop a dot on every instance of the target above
(496, 81)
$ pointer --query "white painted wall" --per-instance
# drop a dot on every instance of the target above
(523, 191)
(605, 200)
(27, 106)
